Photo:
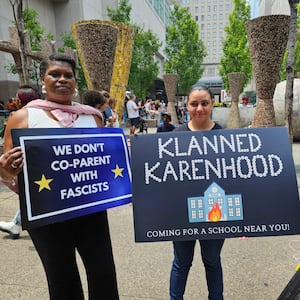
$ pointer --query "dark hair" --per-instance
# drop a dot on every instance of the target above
(201, 88)
(26, 93)
(57, 57)
(92, 98)
(168, 116)
(105, 94)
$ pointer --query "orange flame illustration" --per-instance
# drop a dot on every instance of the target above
(215, 213)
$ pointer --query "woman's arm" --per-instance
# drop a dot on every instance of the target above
(11, 161)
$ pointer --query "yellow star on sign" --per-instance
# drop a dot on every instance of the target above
(118, 171)
(43, 183)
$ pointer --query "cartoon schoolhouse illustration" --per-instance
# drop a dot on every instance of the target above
(215, 206)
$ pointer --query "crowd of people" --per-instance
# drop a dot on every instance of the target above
(89, 235)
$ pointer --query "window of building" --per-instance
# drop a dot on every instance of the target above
(202, 18)
(202, 26)
(208, 8)
(220, 16)
(215, 26)
(208, 17)
(211, 71)
(215, 17)
(196, 18)
(196, 9)
(215, 8)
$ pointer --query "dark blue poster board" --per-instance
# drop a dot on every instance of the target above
(214, 184)
(69, 173)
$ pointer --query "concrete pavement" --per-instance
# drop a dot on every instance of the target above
(254, 269)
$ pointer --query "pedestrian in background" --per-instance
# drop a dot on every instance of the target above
(165, 126)
(133, 113)
(107, 112)
(113, 121)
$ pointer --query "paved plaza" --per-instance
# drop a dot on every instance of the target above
(254, 268)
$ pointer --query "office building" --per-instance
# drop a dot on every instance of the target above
(212, 17)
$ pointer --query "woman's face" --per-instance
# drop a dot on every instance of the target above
(200, 105)
(59, 82)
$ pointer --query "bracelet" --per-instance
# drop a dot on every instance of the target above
(11, 181)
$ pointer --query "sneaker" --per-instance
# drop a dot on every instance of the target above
(11, 228)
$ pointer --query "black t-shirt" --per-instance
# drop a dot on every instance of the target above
(185, 127)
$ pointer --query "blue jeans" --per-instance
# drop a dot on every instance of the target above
(183, 258)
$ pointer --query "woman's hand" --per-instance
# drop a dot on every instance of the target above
(11, 163)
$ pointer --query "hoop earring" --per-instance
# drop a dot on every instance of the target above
(75, 93)
(44, 89)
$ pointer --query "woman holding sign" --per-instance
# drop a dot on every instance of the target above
(199, 105)
(57, 243)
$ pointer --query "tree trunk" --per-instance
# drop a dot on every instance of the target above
(17, 7)
(290, 69)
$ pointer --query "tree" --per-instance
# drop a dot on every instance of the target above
(297, 52)
(37, 33)
(17, 6)
(184, 48)
(121, 13)
(290, 68)
(236, 54)
(144, 69)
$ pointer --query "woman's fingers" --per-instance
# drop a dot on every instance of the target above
(12, 161)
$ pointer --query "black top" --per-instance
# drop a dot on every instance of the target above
(163, 128)
(185, 127)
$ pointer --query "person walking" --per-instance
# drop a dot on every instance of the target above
(199, 105)
(133, 113)
(89, 235)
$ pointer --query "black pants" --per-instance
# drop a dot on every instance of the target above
(56, 244)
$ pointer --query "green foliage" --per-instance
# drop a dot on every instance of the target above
(144, 69)
(236, 55)
(30, 17)
(121, 13)
(37, 34)
(184, 48)
(297, 52)
(68, 41)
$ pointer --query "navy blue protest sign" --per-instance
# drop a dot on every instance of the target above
(214, 184)
(69, 173)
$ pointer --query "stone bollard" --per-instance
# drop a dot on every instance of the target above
(235, 83)
(170, 81)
